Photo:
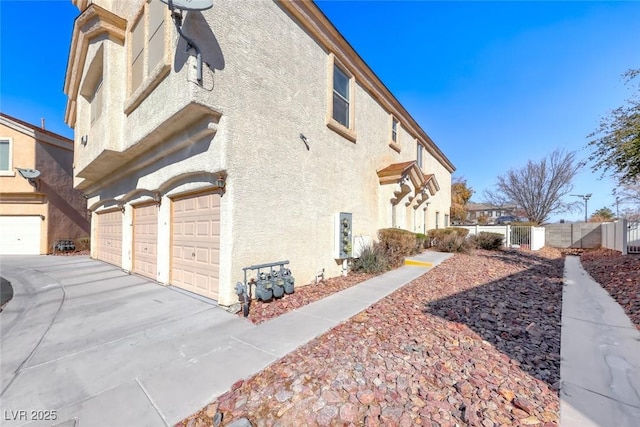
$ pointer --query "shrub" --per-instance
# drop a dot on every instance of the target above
(82, 243)
(421, 242)
(488, 241)
(372, 260)
(453, 242)
(396, 244)
(438, 234)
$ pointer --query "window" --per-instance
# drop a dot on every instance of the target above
(96, 102)
(437, 219)
(419, 155)
(341, 114)
(394, 133)
(148, 52)
(340, 97)
(394, 130)
(446, 220)
(5, 156)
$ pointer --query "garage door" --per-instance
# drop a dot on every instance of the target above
(195, 244)
(20, 235)
(110, 237)
(145, 240)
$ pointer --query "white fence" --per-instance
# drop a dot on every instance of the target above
(633, 237)
(614, 236)
(515, 236)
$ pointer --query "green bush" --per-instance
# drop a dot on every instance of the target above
(488, 241)
(396, 244)
(453, 242)
(372, 260)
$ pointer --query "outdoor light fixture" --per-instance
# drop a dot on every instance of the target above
(585, 197)
(84, 139)
(220, 182)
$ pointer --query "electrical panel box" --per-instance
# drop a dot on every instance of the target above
(343, 248)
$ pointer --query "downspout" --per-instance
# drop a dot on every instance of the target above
(177, 19)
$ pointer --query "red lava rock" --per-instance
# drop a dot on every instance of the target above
(366, 397)
(326, 415)
(523, 404)
(425, 354)
(348, 413)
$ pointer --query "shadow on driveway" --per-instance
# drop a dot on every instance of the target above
(6, 292)
(519, 314)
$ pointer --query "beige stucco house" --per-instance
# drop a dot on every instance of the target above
(192, 176)
(38, 204)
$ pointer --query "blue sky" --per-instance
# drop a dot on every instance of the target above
(493, 83)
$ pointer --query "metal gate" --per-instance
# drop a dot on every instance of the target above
(520, 237)
(633, 237)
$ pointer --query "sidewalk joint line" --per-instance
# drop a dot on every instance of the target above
(602, 324)
(257, 348)
(153, 403)
(602, 395)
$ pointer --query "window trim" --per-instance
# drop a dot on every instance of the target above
(151, 78)
(344, 131)
(394, 143)
(9, 171)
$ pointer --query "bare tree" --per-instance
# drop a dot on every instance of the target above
(538, 187)
(628, 196)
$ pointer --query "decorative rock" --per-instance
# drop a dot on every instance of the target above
(326, 414)
(348, 413)
(523, 404)
(365, 397)
(530, 421)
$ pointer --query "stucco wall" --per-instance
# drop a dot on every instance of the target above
(269, 80)
(66, 212)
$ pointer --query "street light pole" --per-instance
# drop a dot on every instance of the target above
(585, 197)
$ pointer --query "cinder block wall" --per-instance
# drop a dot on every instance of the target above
(585, 235)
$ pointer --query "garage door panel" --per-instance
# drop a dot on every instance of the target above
(145, 238)
(20, 235)
(196, 244)
(110, 237)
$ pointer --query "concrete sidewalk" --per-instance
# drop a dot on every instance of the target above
(600, 353)
(100, 347)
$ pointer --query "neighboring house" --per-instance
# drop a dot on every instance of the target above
(488, 211)
(189, 180)
(38, 204)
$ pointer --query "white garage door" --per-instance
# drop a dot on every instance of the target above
(145, 240)
(110, 237)
(195, 244)
(20, 235)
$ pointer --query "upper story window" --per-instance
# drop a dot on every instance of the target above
(340, 96)
(148, 51)
(419, 150)
(394, 134)
(5, 156)
(96, 102)
(394, 130)
(340, 117)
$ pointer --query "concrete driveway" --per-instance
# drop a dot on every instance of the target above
(83, 343)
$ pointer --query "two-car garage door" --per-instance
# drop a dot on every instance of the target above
(195, 244)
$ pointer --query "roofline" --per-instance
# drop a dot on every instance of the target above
(309, 15)
(36, 132)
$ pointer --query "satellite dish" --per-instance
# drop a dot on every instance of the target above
(29, 173)
(189, 4)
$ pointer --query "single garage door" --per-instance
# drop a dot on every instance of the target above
(20, 235)
(145, 240)
(110, 237)
(195, 244)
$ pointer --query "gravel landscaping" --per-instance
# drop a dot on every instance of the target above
(475, 341)
(619, 275)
